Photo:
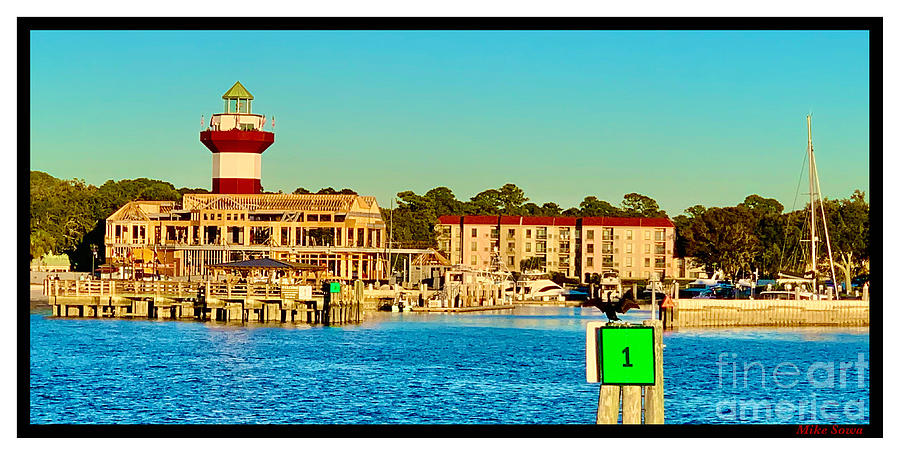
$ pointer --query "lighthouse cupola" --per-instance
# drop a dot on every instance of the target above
(237, 139)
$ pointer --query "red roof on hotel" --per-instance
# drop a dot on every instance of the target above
(480, 219)
(532, 220)
(625, 221)
(555, 220)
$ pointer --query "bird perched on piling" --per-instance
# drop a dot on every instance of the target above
(624, 304)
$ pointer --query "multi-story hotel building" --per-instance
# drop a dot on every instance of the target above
(576, 247)
(343, 232)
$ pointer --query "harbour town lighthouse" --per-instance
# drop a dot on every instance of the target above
(237, 140)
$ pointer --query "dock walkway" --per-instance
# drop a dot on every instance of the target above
(201, 301)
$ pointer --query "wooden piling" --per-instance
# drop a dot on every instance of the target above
(608, 405)
(654, 402)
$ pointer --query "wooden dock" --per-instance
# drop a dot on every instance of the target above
(205, 301)
(461, 309)
(781, 313)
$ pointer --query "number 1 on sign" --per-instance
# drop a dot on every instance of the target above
(627, 362)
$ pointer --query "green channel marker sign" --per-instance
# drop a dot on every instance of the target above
(335, 287)
(622, 355)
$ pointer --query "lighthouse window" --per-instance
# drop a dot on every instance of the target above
(246, 127)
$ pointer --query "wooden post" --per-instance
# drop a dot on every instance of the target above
(608, 405)
(631, 404)
(654, 403)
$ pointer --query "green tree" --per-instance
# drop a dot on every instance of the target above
(551, 209)
(638, 205)
(511, 199)
(723, 238)
(848, 229)
(300, 190)
(591, 206)
(487, 202)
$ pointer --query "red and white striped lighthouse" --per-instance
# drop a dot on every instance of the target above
(237, 140)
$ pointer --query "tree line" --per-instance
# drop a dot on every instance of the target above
(67, 216)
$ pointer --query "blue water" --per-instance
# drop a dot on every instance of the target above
(513, 366)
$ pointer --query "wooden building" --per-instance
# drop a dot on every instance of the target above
(342, 232)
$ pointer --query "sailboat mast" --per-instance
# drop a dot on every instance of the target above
(812, 199)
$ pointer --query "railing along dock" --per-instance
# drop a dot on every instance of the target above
(206, 300)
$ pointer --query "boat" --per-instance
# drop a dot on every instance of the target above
(807, 280)
(537, 285)
(610, 287)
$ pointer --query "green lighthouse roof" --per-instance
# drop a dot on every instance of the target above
(237, 91)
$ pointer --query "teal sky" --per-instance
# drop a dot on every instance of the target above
(683, 117)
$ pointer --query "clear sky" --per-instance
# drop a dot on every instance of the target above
(683, 117)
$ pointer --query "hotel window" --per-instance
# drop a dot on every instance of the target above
(628, 261)
(511, 233)
(541, 233)
(474, 260)
(527, 233)
(660, 263)
(607, 261)
(590, 262)
(607, 233)
(540, 247)
(511, 247)
(590, 234)
(311, 217)
(511, 261)
(628, 274)
(340, 218)
(495, 233)
(646, 262)
(474, 232)
(660, 235)
(606, 247)
(629, 235)
(646, 248)
(325, 218)
(660, 248)
(646, 235)
(628, 248)
(590, 247)
(474, 245)
(528, 247)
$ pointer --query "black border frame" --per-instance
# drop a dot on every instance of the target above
(24, 25)
(599, 340)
